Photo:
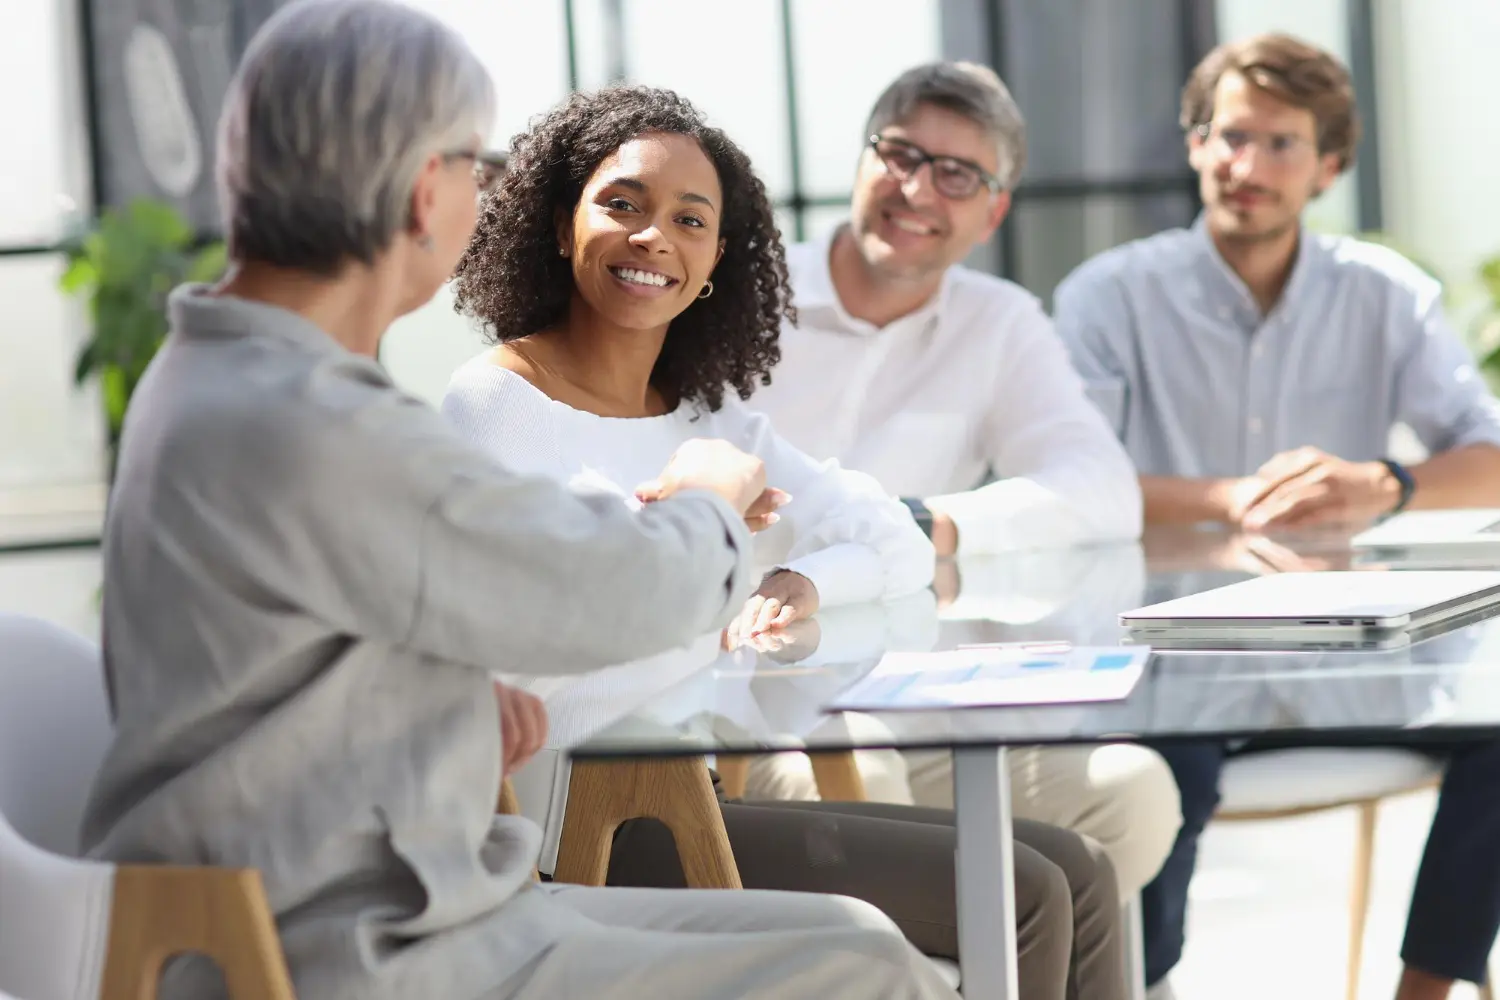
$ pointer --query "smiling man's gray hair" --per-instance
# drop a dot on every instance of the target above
(334, 110)
(966, 89)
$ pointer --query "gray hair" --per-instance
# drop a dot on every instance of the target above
(334, 110)
(966, 89)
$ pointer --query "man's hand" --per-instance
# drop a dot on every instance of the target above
(783, 598)
(947, 582)
(797, 641)
(944, 535)
(1308, 487)
(716, 466)
(523, 727)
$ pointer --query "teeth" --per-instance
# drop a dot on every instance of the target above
(909, 226)
(636, 277)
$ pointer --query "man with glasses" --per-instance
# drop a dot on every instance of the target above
(951, 388)
(1254, 371)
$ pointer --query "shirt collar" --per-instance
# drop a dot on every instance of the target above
(815, 291)
(196, 313)
(1223, 281)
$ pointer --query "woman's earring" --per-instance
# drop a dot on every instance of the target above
(707, 290)
(425, 241)
(562, 251)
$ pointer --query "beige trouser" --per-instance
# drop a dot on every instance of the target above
(1121, 795)
(704, 944)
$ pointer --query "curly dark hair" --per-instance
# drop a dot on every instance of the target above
(514, 282)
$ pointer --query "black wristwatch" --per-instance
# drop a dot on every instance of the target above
(1404, 480)
(920, 511)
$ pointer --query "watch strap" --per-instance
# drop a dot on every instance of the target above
(1403, 479)
(921, 513)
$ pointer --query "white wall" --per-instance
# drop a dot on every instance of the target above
(1440, 130)
(51, 435)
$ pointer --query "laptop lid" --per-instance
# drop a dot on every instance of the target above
(1422, 529)
(1326, 601)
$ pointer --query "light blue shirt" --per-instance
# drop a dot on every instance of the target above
(1198, 383)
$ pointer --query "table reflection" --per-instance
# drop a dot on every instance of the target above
(769, 694)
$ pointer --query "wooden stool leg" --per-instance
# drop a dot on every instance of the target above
(509, 805)
(1359, 892)
(837, 776)
(678, 792)
(160, 912)
(734, 774)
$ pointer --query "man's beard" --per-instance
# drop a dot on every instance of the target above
(1267, 234)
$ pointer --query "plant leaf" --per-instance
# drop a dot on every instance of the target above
(85, 365)
(1489, 273)
(116, 399)
(209, 264)
(81, 276)
(158, 223)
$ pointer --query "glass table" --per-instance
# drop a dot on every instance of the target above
(713, 701)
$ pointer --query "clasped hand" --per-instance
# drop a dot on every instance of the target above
(1308, 487)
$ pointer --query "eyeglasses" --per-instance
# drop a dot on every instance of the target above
(952, 177)
(1280, 148)
(488, 165)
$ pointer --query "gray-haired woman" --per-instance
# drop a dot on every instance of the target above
(308, 579)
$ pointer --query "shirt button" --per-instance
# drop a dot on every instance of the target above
(1255, 425)
(1224, 312)
(1256, 350)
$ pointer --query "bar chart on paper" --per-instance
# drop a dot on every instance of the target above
(996, 676)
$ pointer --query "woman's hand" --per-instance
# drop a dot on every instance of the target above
(762, 513)
(783, 597)
(523, 727)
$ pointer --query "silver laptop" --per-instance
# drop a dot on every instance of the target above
(1432, 539)
(1318, 607)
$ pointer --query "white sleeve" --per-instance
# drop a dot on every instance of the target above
(1063, 477)
(849, 537)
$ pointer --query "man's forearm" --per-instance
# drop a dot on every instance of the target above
(1464, 477)
(1174, 500)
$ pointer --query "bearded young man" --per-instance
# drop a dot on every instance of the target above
(1254, 370)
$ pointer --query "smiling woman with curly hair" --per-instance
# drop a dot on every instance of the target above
(515, 281)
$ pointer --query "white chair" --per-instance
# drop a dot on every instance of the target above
(84, 930)
(1281, 784)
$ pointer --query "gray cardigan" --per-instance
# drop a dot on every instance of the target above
(309, 580)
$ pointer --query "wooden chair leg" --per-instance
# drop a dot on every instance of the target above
(509, 805)
(734, 774)
(163, 911)
(678, 792)
(1487, 988)
(837, 776)
(1359, 892)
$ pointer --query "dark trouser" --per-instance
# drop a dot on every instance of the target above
(900, 859)
(1455, 906)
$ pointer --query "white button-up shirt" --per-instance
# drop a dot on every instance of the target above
(974, 386)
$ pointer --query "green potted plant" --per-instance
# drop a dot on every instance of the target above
(1487, 322)
(125, 265)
